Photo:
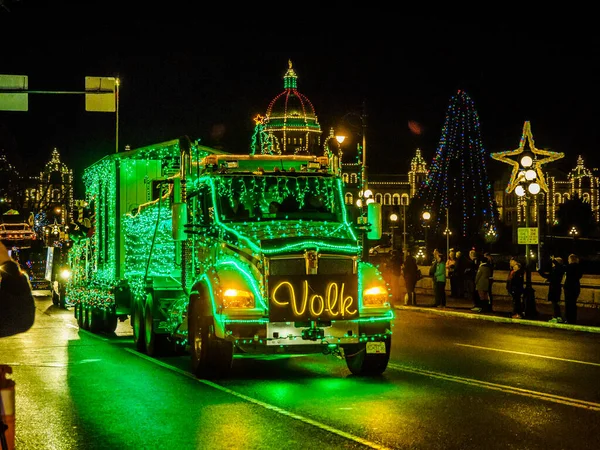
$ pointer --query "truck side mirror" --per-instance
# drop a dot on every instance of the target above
(374, 218)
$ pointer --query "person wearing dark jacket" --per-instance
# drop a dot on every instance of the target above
(515, 285)
(555, 278)
(482, 285)
(17, 306)
(471, 267)
(572, 288)
(459, 275)
(409, 272)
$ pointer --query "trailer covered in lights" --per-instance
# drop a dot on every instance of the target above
(228, 255)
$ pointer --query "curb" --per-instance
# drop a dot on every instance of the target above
(494, 318)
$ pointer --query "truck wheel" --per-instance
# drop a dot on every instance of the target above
(78, 314)
(211, 357)
(110, 320)
(87, 314)
(137, 323)
(62, 296)
(361, 363)
(55, 298)
(156, 344)
(96, 321)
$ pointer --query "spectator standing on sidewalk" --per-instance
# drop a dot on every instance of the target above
(554, 277)
(482, 284)
(394, 268)
(410, 271)
(572, 288)
(438, 272)
(515, 285)
(470, 272)
(459, 275)
(450, 272)
(490, 260)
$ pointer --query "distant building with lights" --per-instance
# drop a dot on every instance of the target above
(290, 122)
(11, 193)
(580, 181)
(52, 191)
(292, 127)
(390, 190)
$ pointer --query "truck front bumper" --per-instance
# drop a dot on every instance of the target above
(290, 337)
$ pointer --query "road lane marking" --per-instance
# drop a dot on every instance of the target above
(265, 405)
(500, 387)
(530, 354)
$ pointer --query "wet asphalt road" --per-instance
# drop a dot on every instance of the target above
(452, 383)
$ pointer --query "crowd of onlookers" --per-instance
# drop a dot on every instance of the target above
(471, 277)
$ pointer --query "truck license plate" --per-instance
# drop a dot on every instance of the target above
(375, 347)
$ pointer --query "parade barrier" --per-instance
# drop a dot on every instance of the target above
(7, 409)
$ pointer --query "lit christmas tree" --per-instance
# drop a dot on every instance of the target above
(457, 182)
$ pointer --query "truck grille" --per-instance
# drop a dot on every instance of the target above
(297, 266)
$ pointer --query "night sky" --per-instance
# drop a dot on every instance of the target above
(207, 76)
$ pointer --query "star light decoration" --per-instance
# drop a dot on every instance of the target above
(518, 174)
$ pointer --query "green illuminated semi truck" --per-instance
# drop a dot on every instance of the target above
(228, 255)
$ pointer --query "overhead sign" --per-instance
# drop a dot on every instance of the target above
(13, 93)
(100, 94)
(527, 235)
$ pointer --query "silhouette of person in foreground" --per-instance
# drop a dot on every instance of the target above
(17, 306)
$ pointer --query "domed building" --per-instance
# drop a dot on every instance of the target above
(291, 126)
(291, 122)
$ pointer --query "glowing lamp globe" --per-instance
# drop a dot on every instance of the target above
(426, 215)
(520, 191)
(394, 217)
(368, 193)
(526, 161)
(534, 188)
(530, 175)
(340, 139)
(359, 203)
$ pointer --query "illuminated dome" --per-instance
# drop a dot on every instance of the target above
(291, 121)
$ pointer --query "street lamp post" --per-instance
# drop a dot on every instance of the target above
(363, 119)
(527, 178)
(426, 216)
(573, 232)
(528, 187)
(365, 197)
(394, 220)
(404, 230)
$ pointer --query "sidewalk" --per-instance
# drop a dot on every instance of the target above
(588, 318)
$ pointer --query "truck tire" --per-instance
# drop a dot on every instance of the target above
(62, 296)
(361, 363)
(137, 323)
(87, 314)
(96, 320)
(156, 344)
(211, 357)
(78, 313)
(110, 320)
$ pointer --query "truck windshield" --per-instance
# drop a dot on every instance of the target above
(263, 197)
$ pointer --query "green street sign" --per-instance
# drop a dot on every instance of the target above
(527, 235)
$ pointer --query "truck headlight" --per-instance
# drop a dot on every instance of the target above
(65, 273)
(235, 298)
(375, 297)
